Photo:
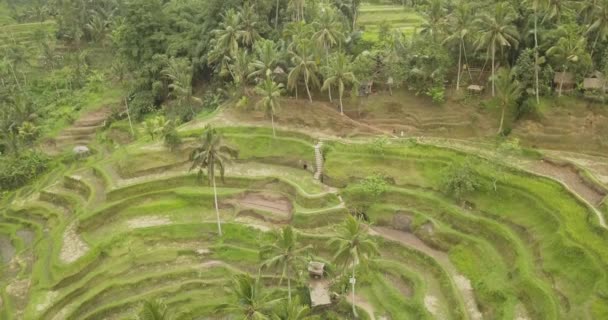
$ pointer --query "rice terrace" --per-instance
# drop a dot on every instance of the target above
(292, 159)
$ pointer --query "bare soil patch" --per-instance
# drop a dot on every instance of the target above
(570, 177)
(147, 222)
(7, 251)
(279, 207)
(73, 247)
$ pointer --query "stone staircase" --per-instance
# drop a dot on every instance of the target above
(318, 160)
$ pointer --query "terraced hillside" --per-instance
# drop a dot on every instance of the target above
(400, 18)
(94, 239)
(25, 34)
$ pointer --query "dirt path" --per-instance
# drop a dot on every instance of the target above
(461, 282)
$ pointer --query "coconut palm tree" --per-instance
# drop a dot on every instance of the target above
(598, 23)
(536, 6)
(298, 6)
(270, 92)
(305, 66)
(266, 59)
(509, 90)
(434, 19)
(250, 300)
(569, 50)
(339, 73)
(461, 26)
(285, 255)
(294, 32)
(212, 153)
(353, 246)
(153, 310)
(179, 72)
(226, 38)
(248, 33)
(292, 310)
(239, 69)
(329, 33)
(497, 32)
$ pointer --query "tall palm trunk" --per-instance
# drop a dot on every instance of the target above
(536, 54)
(272, 120)
(353, 285)
(502, 120)
(459, 66)
(327, 61)
(341, 106)
(493, 69)
(307, 89)
(276, 18)
(217, 209)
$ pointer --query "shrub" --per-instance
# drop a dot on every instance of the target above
(459, 179)
(18, 170)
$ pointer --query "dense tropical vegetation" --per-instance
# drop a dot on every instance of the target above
(195, 159)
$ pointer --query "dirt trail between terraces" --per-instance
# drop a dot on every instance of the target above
(462, 283)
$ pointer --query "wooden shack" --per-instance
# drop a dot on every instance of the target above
(564, 82)
(595, 82)
(318, 286)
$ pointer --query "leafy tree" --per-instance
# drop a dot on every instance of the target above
(179, 72)
(459, 179)
(226, 39)
(154, 310)
(251, 302)
(461, 26)
(497, 32)
(285, 255)
(434, 15)
(270, 93)
(295, 32)
(266, 59)
(292, 310)
(353, 246)
(329, 33)
(570, 52)
(305, 66)
(212, 153)
(239, 68)
(509, 90)
(248, 29)
(598, 22)
(339, 73)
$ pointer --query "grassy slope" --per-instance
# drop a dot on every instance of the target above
(404, 20)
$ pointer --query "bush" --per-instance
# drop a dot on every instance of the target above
(16, 171)
(459, 179)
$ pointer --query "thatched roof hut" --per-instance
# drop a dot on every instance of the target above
(475, 88)
(564, 81)
(595, 82)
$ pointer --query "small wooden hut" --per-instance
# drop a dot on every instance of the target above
(564, 81)
(317, 286)
(365, 88)
(476, 89)
(595, 82)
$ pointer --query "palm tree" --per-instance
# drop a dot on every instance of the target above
(239, 69)
(293, 310)
(353, 246)
(285, 255)
(266, 59)
(248, 32)
(536, 7)
(298, 6)
(250, 301)
(296, 32)
(598, 22)
(226, 37)
(339, 72)
(212, 153)
(329, 33)
(497, 31)
(509, 90)
(153, 310)
(461, 25)
(569, 50)
(179, 72)
(305, 66)
(434, 19)
(270, 92)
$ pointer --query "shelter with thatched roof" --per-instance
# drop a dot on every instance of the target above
(317, 286)
(477, 89)
(564, 81)
(365, 88)
(595, 82)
